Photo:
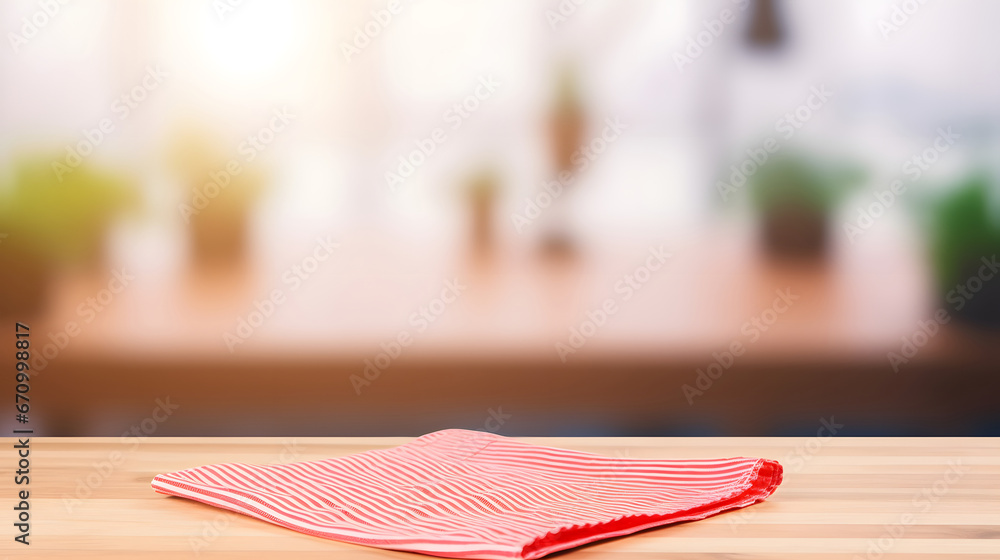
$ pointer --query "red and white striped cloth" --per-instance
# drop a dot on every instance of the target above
(465, 494)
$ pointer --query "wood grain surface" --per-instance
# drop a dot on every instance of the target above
(842, 498)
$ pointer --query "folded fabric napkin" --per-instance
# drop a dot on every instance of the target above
(465, 494)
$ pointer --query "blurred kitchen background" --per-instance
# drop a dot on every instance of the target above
(555, 217)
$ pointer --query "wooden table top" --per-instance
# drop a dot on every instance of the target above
(842, 498)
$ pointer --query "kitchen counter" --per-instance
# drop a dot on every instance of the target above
(842, 498)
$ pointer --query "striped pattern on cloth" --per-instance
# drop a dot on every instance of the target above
(466, 494)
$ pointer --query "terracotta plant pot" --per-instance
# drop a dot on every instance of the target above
(25, 283)
(220, 232)
(793, 232)
(219, 240)
(795, 195)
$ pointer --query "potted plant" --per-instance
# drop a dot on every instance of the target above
(964, 245)
(795, 198)
(219, 192)
(220, 233)
(482, 190)
(567, 123)
(49, 223)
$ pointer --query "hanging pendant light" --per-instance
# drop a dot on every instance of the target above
(765, 30)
